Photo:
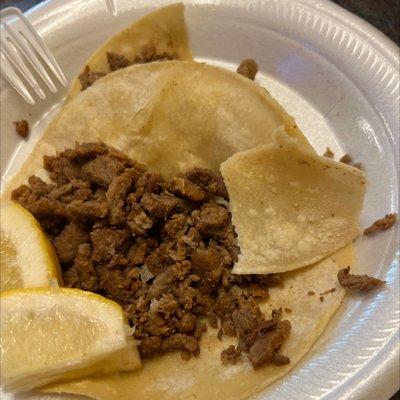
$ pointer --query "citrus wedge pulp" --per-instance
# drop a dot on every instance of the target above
(52, 334)
(27, 258)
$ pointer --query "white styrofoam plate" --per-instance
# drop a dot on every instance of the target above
(339, 77)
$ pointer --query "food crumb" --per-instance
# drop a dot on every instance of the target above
(381, 224)
(361, 283)
(310, 293)
(230, 355)
(328, 153)
(321, 298)
(346, 159)
(287, 310)
(88, 77)
(22, 128)
(248, 68)
(185, 355)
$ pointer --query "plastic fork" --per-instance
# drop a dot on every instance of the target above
(111, 7)
(21, 48)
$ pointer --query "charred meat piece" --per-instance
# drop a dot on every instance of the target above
(74, 190)
(361, 283)
(207, 181)
(117, 192)
(82, 274)
(329, 153)
(346, 159)
(68, 242)
(62, 169)
(166, 281)
(102, 170)
(116, 284)
(175, 226)
(150, 346)
(187, 189)
(22, 128)
(248, 68)
(88, 210)
(107, 243)
(149, 54)
(207, 265)
(159, 205)
(88, 77)
(38, 187)
(117, 61)
(381, 224)
(210, 217)
(138, 220)
(264, 349)
(230, 356)
(86, 151)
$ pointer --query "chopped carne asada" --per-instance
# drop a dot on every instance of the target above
(361, 283)
(119, 61)
(149, 54)
(88, 77)
(346, 159)
(381, 224)
(248, 68)
(162, 249)
(22, 128)
(329, 153)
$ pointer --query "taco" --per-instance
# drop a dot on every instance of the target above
(170, 116)
(160, 35)
(169, 377)
(132, 197)
(149, 113)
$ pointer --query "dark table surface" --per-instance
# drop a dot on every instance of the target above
(383, 14)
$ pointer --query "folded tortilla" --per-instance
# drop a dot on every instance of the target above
(205, 378)
(290, 207)
(170, 116)
(164, 29)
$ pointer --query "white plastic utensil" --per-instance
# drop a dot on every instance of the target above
(21, 49)
(111, 7)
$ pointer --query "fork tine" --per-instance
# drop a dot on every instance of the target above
(15, 59)
(112, 9)
(8, 72)
(22, 46)
(44, 52)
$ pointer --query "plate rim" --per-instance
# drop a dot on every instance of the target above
(352, 21)
(389, 354)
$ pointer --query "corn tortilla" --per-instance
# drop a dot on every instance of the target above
(290, 207)
(205, 378)
(164, 29)
(170, 116)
